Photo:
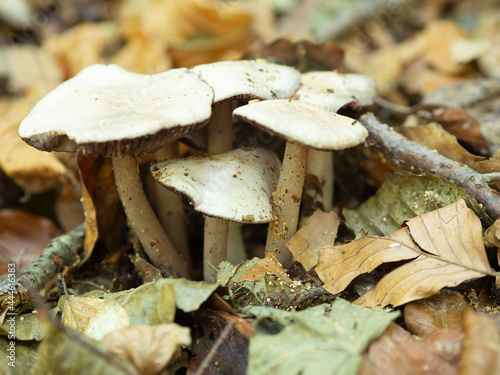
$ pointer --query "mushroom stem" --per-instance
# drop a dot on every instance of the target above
(220, 139)
(286, 201)
(170, 208)
(320, 164)
(142, 219)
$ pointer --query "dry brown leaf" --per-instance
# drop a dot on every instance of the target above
(23, 66)
(80, 46)
(446, 245)
(319, 231)
(456, 121)
(267, 265)
(143, 55)
(443, 310)
(339, 265)
(33, 170)
(451, 238)
(148, 348)
(481, 353)
(398, 352)
(22, 237)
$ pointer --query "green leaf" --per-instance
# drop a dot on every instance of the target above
(404, 196)
(325, 339)
(61, 353)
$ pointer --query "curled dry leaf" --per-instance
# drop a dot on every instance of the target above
(443, 310)
(320, 230)
(148, 348)
(267, 265)
(446, 247)
(398, 352)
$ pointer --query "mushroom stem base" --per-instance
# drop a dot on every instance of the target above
(142, 219)
(286, 201)
(214, 247)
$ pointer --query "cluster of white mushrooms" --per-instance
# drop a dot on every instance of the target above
(109, 111)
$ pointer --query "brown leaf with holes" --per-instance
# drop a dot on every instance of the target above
(319, 231)
(398, 352)
(267, 265)
(481, 354)
(446, 247)
(443, 310)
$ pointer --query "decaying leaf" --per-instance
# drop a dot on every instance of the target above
(68, 351)
(443, 310)
(148, 348)
(404, 196)
(22, 237)
(325, 339)
(33, 170)
(267, 265)
(320, 230)
(447, 250)
(398, 352)
(481, 354)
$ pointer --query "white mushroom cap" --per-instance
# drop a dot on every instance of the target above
(107, 110)
(249, 79)
(303, 123)
(334, 90)
(235, 185)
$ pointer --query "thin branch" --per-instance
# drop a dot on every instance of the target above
(60, 252)
(400, 150)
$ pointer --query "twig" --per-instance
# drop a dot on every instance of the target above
(400, 150)
(213, 351)
(58, 253)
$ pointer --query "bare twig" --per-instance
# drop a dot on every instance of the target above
(400, 150)
(58, 253)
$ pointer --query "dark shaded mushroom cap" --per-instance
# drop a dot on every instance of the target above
(249, 79)
(304, 123)
(107, 110)
(334, 90)
(234, 185)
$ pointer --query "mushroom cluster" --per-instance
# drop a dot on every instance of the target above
(109, 111)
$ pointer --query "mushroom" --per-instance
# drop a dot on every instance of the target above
(234, 186)
(333, 91)
(303, 125)
(109, 111)
(244, 80)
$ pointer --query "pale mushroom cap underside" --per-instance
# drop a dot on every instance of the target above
(107, 110)
(235, 185)
(334, 90)
(249, 79)
(304, 123)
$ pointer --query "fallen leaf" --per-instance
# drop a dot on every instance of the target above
(398, 352)
(453, 252)
(404, 196)
(148, 348)
(319, 231)
(23, 236)
(456, 121)
(267, 265)
(446, 247)
(481, 354)
(33, 170)
(325, 339)
(443, 310)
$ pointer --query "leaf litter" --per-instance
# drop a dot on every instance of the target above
(284, 310)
